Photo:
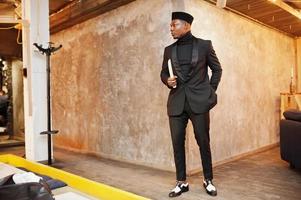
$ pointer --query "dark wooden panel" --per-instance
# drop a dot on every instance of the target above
(81, 11)
(294, 3)
(8, 42)
(56, 5)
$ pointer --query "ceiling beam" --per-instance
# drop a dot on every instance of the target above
(286, 7)
(80, 11)
(221, 3)
(8, 20)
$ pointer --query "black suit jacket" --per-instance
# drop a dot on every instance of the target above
(198, 89)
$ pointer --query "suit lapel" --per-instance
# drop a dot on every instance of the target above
(175, 62)
(195, 52)
(194, 59)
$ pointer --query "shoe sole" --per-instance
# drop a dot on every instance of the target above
(179, 193)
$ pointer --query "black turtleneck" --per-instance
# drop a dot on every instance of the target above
(184, 48)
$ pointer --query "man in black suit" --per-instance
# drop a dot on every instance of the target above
(192, 95)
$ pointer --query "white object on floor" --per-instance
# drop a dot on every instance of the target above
(6, 170)
(26, 177)
(69, 196)
(67, 189)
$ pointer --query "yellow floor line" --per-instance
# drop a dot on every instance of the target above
(87, 186)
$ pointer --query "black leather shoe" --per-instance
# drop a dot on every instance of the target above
(209, 187)
(179, 189)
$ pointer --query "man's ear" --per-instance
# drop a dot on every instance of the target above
(187, 26)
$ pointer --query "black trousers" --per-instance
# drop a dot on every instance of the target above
(200, 124)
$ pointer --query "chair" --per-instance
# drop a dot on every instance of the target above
(290, 138)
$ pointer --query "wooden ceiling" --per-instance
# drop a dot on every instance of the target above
(68, 13)
(63, 14)
(282, 15)
(266, 12)
(56, 5)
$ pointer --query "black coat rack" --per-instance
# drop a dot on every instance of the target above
(48, 51)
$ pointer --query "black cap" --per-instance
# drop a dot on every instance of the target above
(183, 16)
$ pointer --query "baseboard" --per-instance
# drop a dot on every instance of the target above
(165, 168)
(115, 158)
(237, 157)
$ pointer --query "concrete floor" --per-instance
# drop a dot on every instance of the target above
(263, 176)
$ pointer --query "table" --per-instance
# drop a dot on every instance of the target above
(289, 101)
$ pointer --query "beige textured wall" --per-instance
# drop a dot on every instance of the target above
(108, 98)
(256, 65)
(107, 95)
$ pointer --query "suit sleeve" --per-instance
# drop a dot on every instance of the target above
(164, 71)
(215, 67)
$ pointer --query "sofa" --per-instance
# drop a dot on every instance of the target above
(290, 138)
